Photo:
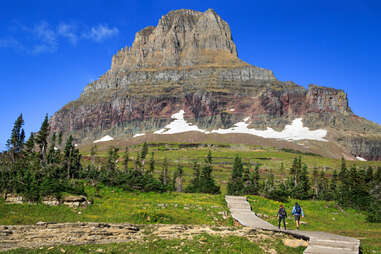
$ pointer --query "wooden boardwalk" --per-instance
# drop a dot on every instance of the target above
(319, 242)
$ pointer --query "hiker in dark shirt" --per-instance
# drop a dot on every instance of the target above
(297, 211)
(282, 216)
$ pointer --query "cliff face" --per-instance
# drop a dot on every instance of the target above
(181, 38)
(189, 62)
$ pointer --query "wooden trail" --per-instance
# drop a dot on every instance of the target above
(319, 242)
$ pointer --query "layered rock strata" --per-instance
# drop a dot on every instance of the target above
(189, 62)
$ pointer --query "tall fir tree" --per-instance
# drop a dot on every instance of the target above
(16, 141)
(194, 186)
(126, 159)
(236, 183)
(42, 137)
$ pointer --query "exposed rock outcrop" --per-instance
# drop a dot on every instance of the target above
(189, 61)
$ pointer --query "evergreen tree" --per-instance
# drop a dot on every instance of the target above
(93, 153)
(126, 159)
(377, 175)
(152, 163)
(71, 159)
(252, 187)
(369, 175)
(236, 184)
(315, 179)
(144, 152)
(282, 170)
(302, 189)
(16, 141)
(207, 184)
(164, 178)
(194, 186)
(112, 159)
(333, 185)
(179, 178)
(42, 138)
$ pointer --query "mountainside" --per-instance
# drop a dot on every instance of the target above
(189, 62)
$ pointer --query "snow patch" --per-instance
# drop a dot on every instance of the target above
(360, 158)
(138, 135)
(179, 125)
(293, 131)
(104, 139)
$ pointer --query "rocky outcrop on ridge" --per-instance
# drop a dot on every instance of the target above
(189, 62)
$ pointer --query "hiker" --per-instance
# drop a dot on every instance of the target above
(297, 211)
(282, 216)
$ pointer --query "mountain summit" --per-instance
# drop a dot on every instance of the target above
(185, 75)
(181, 38)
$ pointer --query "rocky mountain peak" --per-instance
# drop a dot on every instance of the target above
(182, 38)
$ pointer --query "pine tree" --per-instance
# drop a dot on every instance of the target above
(253, 187)
(369, 175)
(315, 179)
(282, 170)
(16, 141)
(179, 178)
(152, 163)
(112, 159)
(126, 159)
(194, 186)
(42, 137)
(235, 184)
(333, 185)
(93, 153)
(164, 178)
(377, 175)
(144, 152)
(207, 184)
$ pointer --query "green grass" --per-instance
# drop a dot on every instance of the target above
(198, 244)
(115, 206)
(325, 216)
(223, 154)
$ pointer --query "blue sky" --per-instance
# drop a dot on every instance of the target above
(50, 50)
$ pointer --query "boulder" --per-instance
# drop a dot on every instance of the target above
(294, 243)
(14, 199)
(50, 200)
(75, 201)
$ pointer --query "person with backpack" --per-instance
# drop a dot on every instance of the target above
(297, 211)
(282, 216)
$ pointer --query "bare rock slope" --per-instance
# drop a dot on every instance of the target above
(189, 62)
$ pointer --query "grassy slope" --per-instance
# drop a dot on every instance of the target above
(325, 216)
(268, 158)
(114, 205)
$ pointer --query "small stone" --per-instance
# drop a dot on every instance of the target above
(50, 248)
(294, 243)
(41, 223)
(99, 250)
(62, 250)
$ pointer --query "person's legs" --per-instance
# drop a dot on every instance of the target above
(284, 223)
(280, 219)
(297, 220)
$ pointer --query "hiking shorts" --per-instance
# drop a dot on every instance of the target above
(297, 217)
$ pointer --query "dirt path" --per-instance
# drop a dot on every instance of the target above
(50, 234)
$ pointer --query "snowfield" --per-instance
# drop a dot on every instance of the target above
(292, 132)
(360, 158)
(179, 125)
(104, 139)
